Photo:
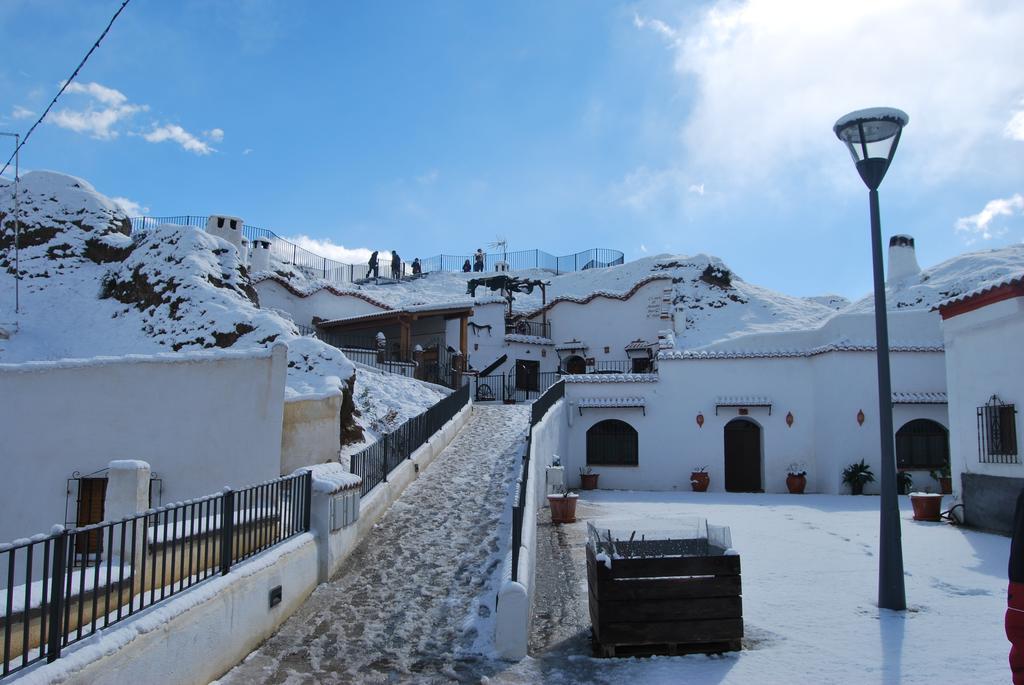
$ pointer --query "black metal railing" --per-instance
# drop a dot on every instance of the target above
(638, 366)
(63, 587)
(316, 266)
(537, 412)
(372, 358)
(374, 463)
(306, 330)
(541, 329)
(513, 386)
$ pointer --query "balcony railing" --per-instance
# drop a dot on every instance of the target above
(540, 329)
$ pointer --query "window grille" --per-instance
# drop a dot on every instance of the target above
(997, 433)
(612, 443)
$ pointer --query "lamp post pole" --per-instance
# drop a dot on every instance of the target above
(872, 135)
(891, 591)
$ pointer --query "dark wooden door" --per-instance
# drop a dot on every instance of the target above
(91, 493)
(527, 375)
(742, 456)
(575, 365)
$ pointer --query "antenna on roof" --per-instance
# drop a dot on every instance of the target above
(500, 243)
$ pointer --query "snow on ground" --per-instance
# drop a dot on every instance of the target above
(414, 602)
(385, 401)
(810, 568)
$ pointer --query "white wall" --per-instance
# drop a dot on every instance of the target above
(322, 303)
(311, 433)
(515, 599)
(824, 394)
(606, 322)
(202, 420)
(984, 357)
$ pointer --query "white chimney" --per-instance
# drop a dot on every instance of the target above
(260, 255)
(243, 252)
(227, 227)
(902, 258)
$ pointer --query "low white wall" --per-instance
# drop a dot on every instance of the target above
(202, 420)
(515, 599)
(311, 433)
(199, 635)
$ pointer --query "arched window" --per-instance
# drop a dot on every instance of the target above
(612, 443)
(575, 365)
(922, 444)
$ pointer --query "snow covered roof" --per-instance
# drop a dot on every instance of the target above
(570, 345)
(1012, 284)
(610, 402)
(433, 309)
(529, 339)
(639, 345)
(788, 353)
(611, 378)
(313, 287)
(919, 398)
(584, 299)
(743, 401)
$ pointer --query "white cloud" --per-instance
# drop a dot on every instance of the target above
(980, 224)
(331, 250)
(215, 134)
(643, 248)
(177, 134)
(248, 151)
(20, 112)
(1015, 127)
(697, 188)
(129, 207)
(770, 78)
(644, 188)
(107, 107)
(658, 26)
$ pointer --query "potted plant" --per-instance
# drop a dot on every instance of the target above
(856, 475)
(700, 479)
(563, 506)
(796, 477)
(945, 482)
(588, 479)
(927, 506)
(904, 482)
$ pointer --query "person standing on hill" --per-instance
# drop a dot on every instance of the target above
(417, 268)
(478, 260)
(373, 265)
(396, 265)
(466, 266)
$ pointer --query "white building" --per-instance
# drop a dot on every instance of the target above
(985, 370)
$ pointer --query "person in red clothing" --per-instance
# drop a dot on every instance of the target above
(1015, 595)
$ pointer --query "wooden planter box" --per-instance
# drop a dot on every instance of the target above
(665, 605)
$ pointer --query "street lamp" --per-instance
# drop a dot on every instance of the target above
(872, 136)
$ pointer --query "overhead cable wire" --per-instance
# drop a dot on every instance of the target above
(66, 84)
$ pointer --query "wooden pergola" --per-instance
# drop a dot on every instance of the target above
(404, 320)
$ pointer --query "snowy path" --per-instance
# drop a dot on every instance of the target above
(413, 601)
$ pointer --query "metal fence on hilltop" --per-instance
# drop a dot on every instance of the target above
(60, 588)
(317, 266)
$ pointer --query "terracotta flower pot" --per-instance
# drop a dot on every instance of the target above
(588, 481)
(927, 506)
(796, 484)
(699, 481)
(947, 485)
(563, 508)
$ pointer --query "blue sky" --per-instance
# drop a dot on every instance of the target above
(434, 127)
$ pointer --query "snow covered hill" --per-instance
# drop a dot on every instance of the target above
(712, 304)
(88, 290)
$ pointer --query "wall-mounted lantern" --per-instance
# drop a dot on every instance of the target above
(860, 417)
(789, 419)
(700, 420)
